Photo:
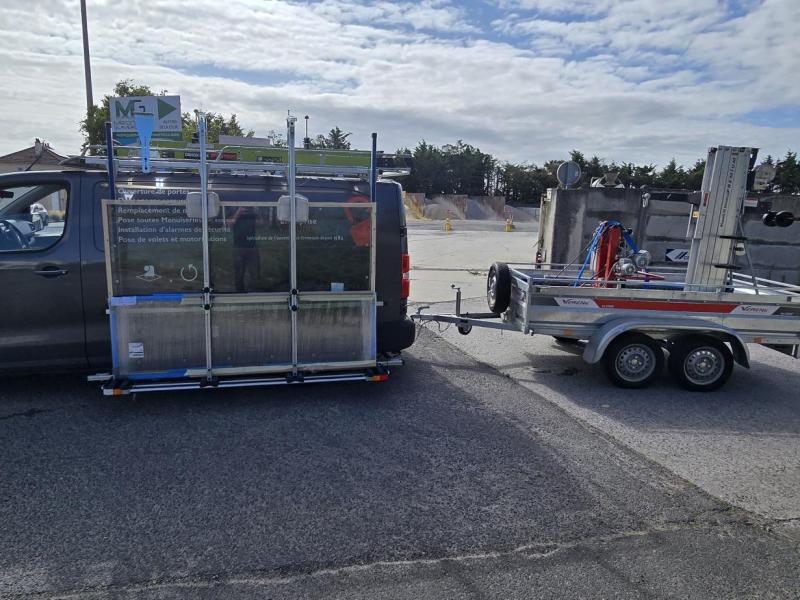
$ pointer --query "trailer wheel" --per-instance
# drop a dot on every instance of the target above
(498, 288)
(633, 360)
(700, 362)
(464, 329)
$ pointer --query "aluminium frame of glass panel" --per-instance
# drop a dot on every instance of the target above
(296, 296)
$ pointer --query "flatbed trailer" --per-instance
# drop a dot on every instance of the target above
(628, 313)
(627, 324)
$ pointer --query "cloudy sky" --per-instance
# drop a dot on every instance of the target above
(526, 80)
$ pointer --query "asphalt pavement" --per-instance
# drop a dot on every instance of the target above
(463, 255)
(448, 481)
(741, 444)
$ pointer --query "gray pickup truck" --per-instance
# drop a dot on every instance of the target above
(53, 275)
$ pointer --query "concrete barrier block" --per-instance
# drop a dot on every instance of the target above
(665, 226)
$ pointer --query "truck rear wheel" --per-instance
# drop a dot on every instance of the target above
(700, 362)
(633, 360)
(498, 288)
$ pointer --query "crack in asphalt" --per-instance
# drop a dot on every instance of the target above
(31, 412)
(287, 575)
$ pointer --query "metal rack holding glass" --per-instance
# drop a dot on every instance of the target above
(208, 291)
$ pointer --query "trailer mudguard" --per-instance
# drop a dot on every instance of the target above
(596, 347)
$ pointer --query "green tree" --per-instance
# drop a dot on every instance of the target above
(335, 140)
(429, 174)
(694, 176)
(452, 169)
(93, 126)
(672, 176)
(216, 125)
(595, 168)
(525, 183)
(469, 171)
(787, 175)
(577, 157)
(637, 176)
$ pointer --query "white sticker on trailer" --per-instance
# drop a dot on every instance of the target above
(754, 309)
(680, 255)
(135, 350)
(577, 302)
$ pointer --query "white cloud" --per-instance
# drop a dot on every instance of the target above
(668, 82)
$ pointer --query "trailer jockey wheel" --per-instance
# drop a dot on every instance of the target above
(633, 360)
(498, 288)
(700, 362)
(464, 329)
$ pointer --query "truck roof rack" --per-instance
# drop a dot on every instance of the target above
(267, 160)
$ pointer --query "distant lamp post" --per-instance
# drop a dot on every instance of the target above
(87, 65)
(306, 140)
(38, 152)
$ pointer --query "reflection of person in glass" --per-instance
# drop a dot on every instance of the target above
(245, 253)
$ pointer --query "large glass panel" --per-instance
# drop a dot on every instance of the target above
(249, 249)
(335, 247)
(250, 333)
(153, 247)
(157, 337)
(335, 329)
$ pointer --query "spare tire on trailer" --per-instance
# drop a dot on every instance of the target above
(498, 288)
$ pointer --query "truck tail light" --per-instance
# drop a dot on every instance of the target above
(405, 267)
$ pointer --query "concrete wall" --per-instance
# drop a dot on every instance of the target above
(569, 217)
(415, 204)
(456, 206)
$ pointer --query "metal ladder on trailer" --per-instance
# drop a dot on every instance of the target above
(715, 225)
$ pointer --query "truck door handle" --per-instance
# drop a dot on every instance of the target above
(51, 271)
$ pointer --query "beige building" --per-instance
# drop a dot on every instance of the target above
(28, 159)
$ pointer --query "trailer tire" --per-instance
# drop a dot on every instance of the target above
(700, 363)
(633, 360)
(464, 329)
(498, 288)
